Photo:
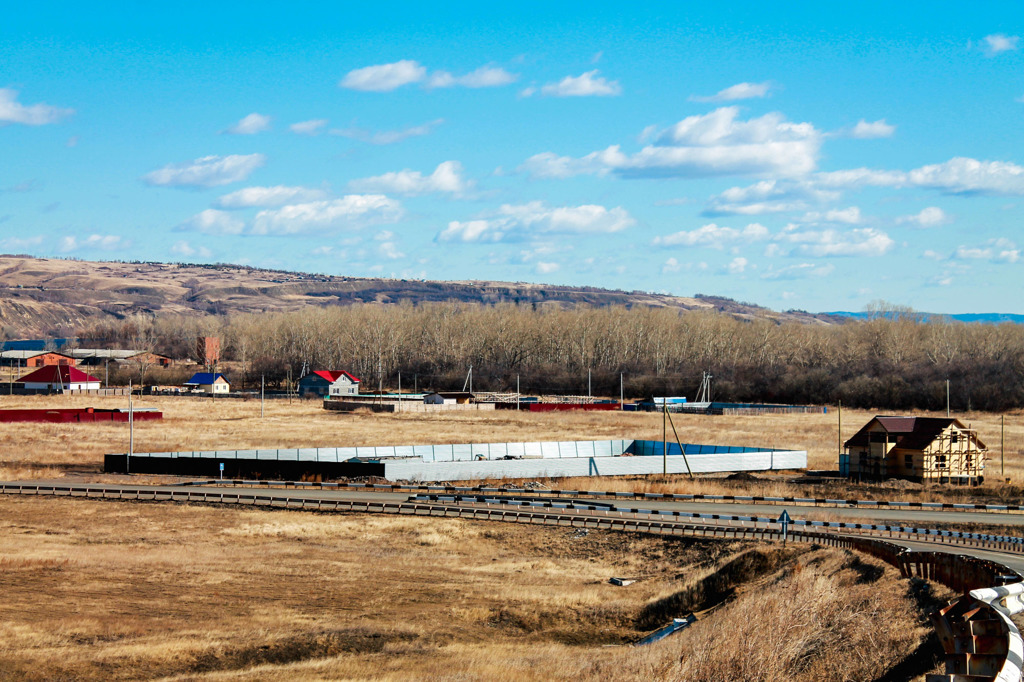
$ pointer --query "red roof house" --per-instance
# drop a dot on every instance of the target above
(59, 378)
(328, 382)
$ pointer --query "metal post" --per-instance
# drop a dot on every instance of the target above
(947, 397)
(622, 403)
(664, 439)
(588, 384)
(399, 391)
(1002, 443)
(839, 432)
(518, 395)
(131, 429)
(262, 395)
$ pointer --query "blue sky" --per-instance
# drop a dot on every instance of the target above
(796, 155)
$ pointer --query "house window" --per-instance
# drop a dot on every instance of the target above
(953, 438)
(940, 462)
(908, 461)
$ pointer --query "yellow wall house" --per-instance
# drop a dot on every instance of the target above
(938, 449)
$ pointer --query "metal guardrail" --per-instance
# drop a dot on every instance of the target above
(976, 631)
(620, 494)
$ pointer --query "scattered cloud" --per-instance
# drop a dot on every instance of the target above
(386, 136)
(17, 244)
(800, 271)
(768, 196)
(588, 84)
(1000, 250)
(103, 242)
(847, 216)
(737, 92)
(278, 195)
(384, 77)
(737, 265)
(997, 43)
(484, 77)
(446, 178)
(524, 221)
(389, 250)
(830, 242)
(970, 176)
(348, 212)
(207, 171)
(716, 143)
(543, 268)
(388, 77)
(250, 125)
(212, 221)
(671, 265)
(183, 248)
(714, 237)
(12, 111)
(932, 216)
(311, 127)
(865, 130)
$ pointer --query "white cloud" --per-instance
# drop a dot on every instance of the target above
(12, 111)
(711, 144)
(800, 271)
(865, 130)
(383, 137)
(848, 216)
(207, 171)
(671, 265)
(768, 196)
(16, 244)
(829, 242)
(183, 248)
(446, 178)
(970, 176)
(543, 268)
(588, 84)
(737, 92)
(484, 77)
(105, 242)
(389, 250)
(311, 127)
(1000, 250)
(250, 125)
(278, 195)
(348, 212)
(737, 265)
(928, 217)
(519, 222)
(212, 221)
(384, 77)
(999, 42)
(715, 237)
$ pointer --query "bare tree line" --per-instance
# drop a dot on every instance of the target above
(892, 360)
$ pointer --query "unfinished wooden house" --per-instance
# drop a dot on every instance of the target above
(937, 449)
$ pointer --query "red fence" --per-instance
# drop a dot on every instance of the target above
(74, 416)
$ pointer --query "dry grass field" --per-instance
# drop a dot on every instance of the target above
(55, 450)
(96, 590)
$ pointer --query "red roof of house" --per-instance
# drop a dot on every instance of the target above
(57, 374)
(332, 375)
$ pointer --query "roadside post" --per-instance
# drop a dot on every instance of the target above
(222, 471)
(784, 520)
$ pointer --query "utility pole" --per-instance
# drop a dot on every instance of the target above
(518, 394)
(839, 432)
(664, 438)
(262, 396)
(588, 384)
(131, 430)
(399, 391)
(947, 397)
(622, 403)
(1002, 444)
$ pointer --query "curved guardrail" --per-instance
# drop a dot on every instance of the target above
(620, 494)
(980, 639)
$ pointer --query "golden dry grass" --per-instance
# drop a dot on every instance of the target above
(111, 590)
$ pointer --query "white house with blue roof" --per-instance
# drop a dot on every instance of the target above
(208, 382)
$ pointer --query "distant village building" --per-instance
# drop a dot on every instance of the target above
(448, 398)
(34, 358)
(59, 378)
(328, 382)
(208, 382)
(938, 449)
(100, 356)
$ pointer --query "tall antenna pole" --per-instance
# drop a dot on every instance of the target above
(664, 438)
(131, 429)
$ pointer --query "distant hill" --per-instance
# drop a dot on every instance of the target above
(984, 318)
(51, 297)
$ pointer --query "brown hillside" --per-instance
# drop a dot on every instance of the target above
(40, 296)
